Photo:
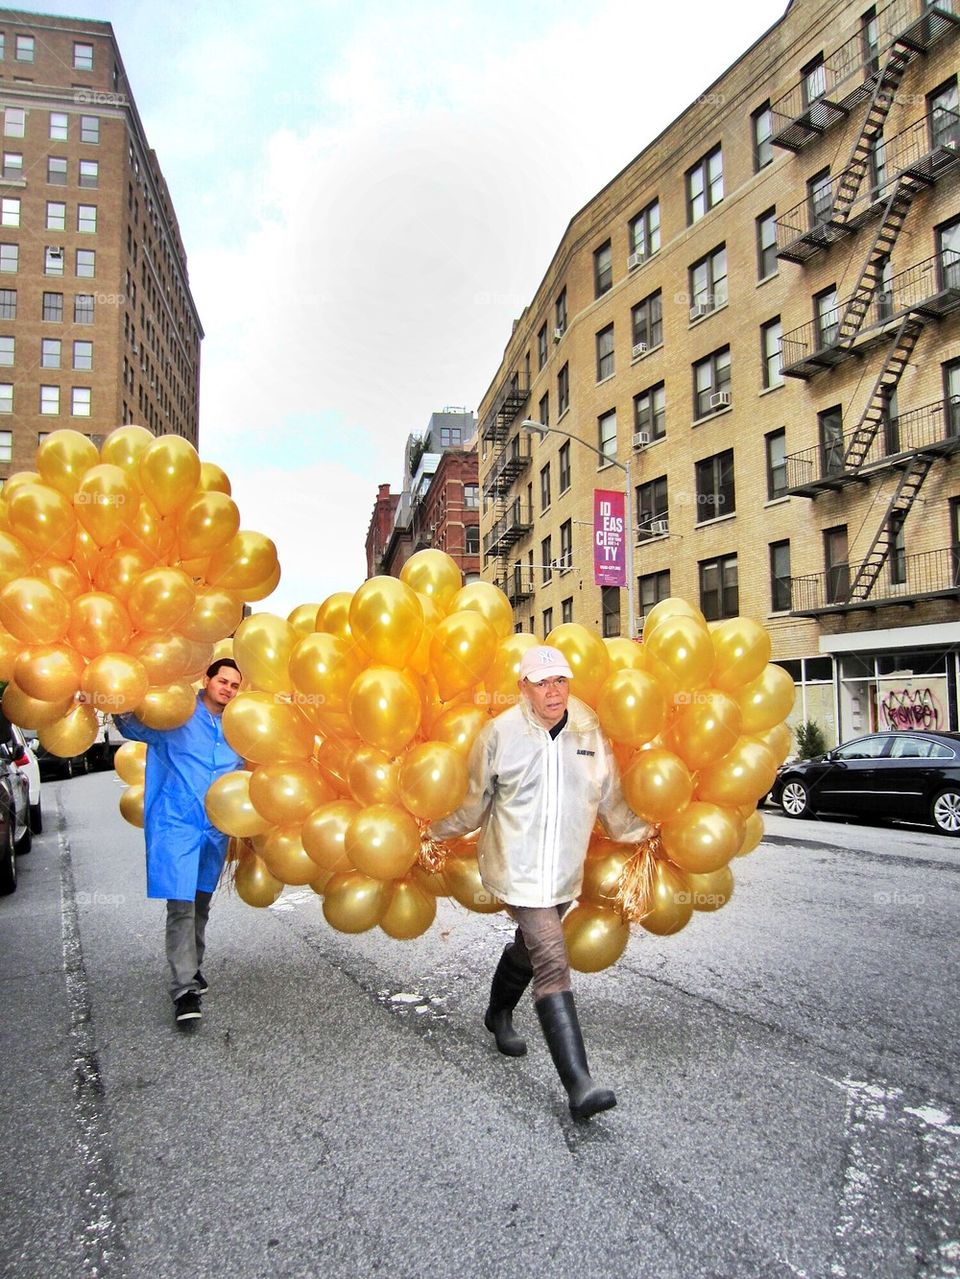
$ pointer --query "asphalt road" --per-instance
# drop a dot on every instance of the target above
(786, 1073)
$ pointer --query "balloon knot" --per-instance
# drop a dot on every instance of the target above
(634, 895)
(433, 854)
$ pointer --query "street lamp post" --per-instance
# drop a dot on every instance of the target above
(538, 428)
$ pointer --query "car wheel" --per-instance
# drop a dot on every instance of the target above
(8, 862)
(36, 817)
(25, 842)
(945, 811)
(795, 799)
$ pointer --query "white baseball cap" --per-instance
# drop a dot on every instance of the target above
(543, 662)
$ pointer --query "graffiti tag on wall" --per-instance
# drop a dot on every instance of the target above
(911, 707)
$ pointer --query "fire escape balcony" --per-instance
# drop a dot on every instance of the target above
(508, 530)
(507, 403)
(517, 585)
(932, 429)
(816, 223)
(904, 579)
(511, 462)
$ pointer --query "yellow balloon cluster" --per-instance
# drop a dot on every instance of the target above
(120, 570)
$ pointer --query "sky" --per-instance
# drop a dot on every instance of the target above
(369, 193)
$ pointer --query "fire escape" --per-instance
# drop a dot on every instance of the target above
(511, 516)
(879, 181)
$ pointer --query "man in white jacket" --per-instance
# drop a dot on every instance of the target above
(540, 774)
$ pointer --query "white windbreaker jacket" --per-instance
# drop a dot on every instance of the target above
(536, 799)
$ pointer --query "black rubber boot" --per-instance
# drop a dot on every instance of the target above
(561, 1030)
(510, 980)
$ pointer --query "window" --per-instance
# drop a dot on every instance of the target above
(776, 447)
(24, 47)
(6, 397)
(83, 308)
(951, 395)
(83, 355)
(942, 115)
(870, 40)
(8, 304)
(820, 197)
(13, 166)
(563, 390)
(56, 216)
(86, 217)
(762, 132)
(708, 283)
(53, 306)
(716, 495)
(898, 558)
(542, 347)
(80, 401)
(82, 56)
(546, 560)
(566, 609)
(767, 244)
(813, 80)
(86, 263)
(10, 212)
(547, 621)
(771, 335)
(651, 505)
(607, 436)
(831, 440)
(449, 437)
(704, 185)
(543, 409)
(653, 587)
(471, 497)
(564, 464)
(545, 487)
(49, 353)
(602, 270)
(650, 411)
(56, 170)
(6, 445)
(605, 364)
(610, 609)
(7, 351)
(9, 257)
(49, 400)
(948, 252)
(89, 173)
(561, 310)
(780, 600)
(566, 545)
(647, 322)
(645, 231)
(711, 383)
(52, 260)
(3, 45)
(471, 539)
(59, 126)
(835, 557)
(14, 119)
(826, 317)
(719, 591)
(90, 129)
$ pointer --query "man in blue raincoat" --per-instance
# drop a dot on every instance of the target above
(185, 853)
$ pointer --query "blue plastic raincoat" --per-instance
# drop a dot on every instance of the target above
(185, 853)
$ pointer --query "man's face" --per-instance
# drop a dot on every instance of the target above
(221, 688)
(548, 698)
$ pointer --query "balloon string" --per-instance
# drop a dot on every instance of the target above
(433, 854)
(237, 849)
(634, 895)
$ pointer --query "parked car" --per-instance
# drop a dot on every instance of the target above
(913, 776)
(28, 764)
(15, 834)
(54, 766)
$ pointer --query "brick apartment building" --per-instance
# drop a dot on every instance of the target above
(763, 312)
(97, 323)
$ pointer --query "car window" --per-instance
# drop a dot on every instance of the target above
(910, 746)
(865, 748)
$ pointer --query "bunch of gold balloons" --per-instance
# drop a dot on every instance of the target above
(120, 569)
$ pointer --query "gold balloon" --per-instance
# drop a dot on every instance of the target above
(742, 776)
(586, 656)
(322, 668)
(148, 533)
(33, 611)
(679, 654)
(30, 712)
(124, 446)
(705, 727)
(657, 785)
(625, 654)
(742, 649)
(98, 623)
(63, 458)
(261, 589)
(333, 615)
(778, 741)
(461, 652)
(433, 780)
(14, 558)
(283, 851)
(596, 937)
(764, 702)
(459, 725)
(72, 734)
(303, 618)
(66, 577)
(672, 906)
(264, 730)
(130, 762)
(160, 599)
(324, 834)
(431, 882)
(373, 777)
(165, 658)
(230, 807)
(49, 672)
(254, 883)
(333, 757)
(631, 707)
(288, 793)
(752, 834)
(247, 560)
(119, 569)
(386, 620)
(167, 706)
(215, 614)
(433, 573)
(207, 522)
(384, 707)
(462, 878)
(487, 600)
(672, 607)
(504, 673)
(213, 479)
(703, 838)
(710, 891)
(106, 502)
(116, 682)
(262, 647)
(131, 805)
(169, 471)
(602, 871)
(383, 841)
(410, 913)
(354, 903)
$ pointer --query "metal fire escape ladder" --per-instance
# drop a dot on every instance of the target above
(888, 80)
(911, 481)
(898, 357)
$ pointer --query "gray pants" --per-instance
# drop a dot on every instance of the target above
(186, 929)
(539, 942)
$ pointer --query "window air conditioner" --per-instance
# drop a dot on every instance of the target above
(557, 334)
(641, 439)
(639, 348)
(55, 251)
(658, 527)
(636, 259)
(720, 400)
(700, 310)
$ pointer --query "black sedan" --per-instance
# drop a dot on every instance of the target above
(912, 776)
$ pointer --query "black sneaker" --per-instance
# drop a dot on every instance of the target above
(187, 1008)
(201, 982)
